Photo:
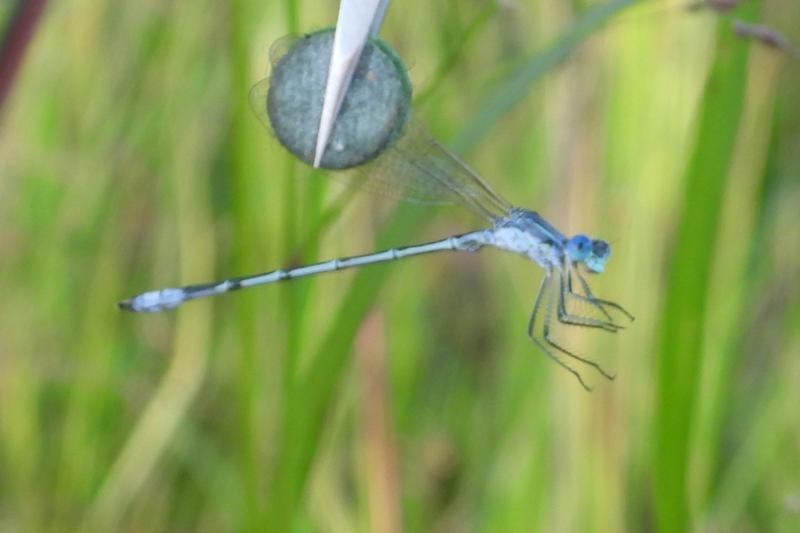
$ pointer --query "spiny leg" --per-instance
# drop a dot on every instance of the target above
(589, 297)
(593, 364)
(565, 317)
(601, 301)
(551, 342)
(597, 302)
(541, 346)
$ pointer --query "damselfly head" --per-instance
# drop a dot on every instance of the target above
(596, 261)
(592, 253)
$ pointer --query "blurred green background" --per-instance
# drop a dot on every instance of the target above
(404, 396)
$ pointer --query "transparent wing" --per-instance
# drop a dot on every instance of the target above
(415, 167)
(419, 169)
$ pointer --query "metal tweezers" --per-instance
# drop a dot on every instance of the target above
(358, 19)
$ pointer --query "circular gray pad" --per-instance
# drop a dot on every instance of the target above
(371, 117)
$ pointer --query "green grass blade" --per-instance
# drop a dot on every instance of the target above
(517, 84)
(683, 315)
(247, 207)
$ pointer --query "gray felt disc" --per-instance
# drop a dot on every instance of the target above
(373, 113)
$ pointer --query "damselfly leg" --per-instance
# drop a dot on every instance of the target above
(592, 299)
(566, 317)
(548, 297)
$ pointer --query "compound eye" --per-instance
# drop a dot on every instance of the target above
(600, 249)
(579, 247)
(596, 261)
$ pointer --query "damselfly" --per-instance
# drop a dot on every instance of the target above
(416, 167)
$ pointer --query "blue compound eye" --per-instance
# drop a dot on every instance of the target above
(579, 247)
(596, 261)
(601, 249)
